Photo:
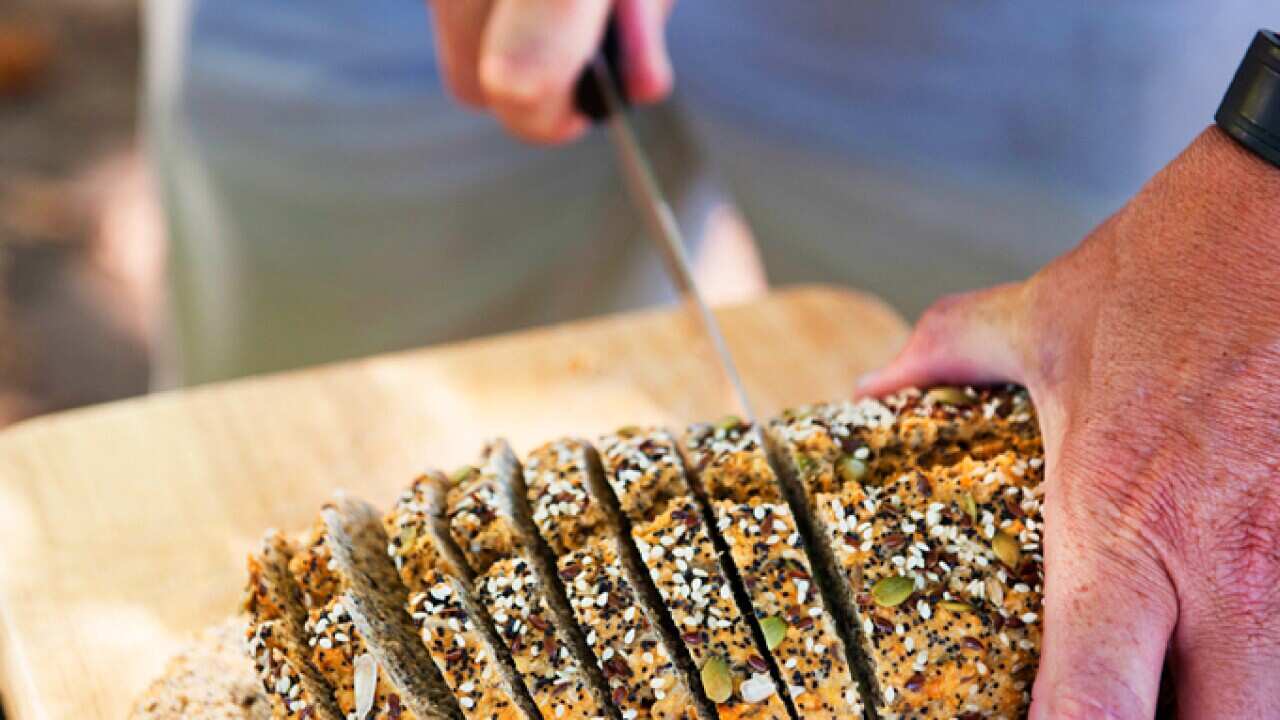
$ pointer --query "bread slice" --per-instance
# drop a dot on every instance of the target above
(643, 680)
(516, 585)
(397, 678)
(913, 509)
(730, 464)
(211, 679)
(296, 690)
(454, 626)
(644, 470)
(336, 645)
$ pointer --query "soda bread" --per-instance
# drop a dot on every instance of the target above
(645, 472)
(455, 628)
(926, 517)
(643, 680)
(276, 637)
(209, 680)
(879, 557)
(557, 667)
(729, 461)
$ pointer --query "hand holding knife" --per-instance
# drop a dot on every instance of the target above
(598, 96)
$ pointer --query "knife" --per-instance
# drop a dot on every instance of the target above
(598, 96)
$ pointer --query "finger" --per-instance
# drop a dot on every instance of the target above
(646, 63)
(532, 54)
(1231, 674)
(459, 28)
(1227, 646)
(1109, 610)
(974, 338)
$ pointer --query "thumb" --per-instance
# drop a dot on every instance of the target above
(1109, 611)
(971, 338)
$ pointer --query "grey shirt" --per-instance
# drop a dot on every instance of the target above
(327, 199)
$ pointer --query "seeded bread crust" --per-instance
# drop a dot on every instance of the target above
(765, 544)
(910, 494)
(453, 625)
(474, 506)
(331, 636)
(966, 640)
(559, 495)
(920, 514)
(209, 680)
(405, 680)
(871, 441)
(414, 528)
(644, 469)
(643, 681)
(511, 592)
(454, 632)
(507, 584)
(274, 639)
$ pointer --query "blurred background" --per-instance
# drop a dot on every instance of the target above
(196, 190)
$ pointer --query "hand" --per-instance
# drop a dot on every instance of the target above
(520, 59)
(1152, 352)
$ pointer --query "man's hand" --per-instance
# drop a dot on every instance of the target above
(520, 58)
(1152, 352)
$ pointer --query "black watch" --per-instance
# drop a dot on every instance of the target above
(1250, 111)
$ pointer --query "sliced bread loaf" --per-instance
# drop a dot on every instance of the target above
(730, 463)
(645, 473)
(276, 632)
(454, 626)
(643, 680)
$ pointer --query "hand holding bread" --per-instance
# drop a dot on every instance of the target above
(1152, 352)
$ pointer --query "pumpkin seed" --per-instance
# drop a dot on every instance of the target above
(729, 422)
(851, 469)
(1006, 548)
(950, 395)
(805, 464)
(463, 474)
(955, 606)
(969, 506)
(628, 431)
(892, 590)
(775, 631)
(716, 680)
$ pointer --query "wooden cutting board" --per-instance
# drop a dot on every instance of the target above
(123, 528)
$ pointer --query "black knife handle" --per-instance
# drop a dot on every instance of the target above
(588, 96)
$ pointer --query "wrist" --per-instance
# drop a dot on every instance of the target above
(1242, 188)
(1212, 216)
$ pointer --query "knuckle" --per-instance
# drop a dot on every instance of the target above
(1122, 494)
(1244, 554)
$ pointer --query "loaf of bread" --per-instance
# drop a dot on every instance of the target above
(927, 524)
(211, 679)
(729, 461)
(642, 677)
(694, 581)
(877, 558)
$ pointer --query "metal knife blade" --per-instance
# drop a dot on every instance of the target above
(663, 227)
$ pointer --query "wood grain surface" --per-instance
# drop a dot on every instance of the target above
(123, 528)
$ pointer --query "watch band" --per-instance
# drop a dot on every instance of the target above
(1250, 111)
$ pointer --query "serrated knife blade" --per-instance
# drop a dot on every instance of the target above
(663, 228)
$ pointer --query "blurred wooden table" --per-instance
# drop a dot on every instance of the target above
(124, 527)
